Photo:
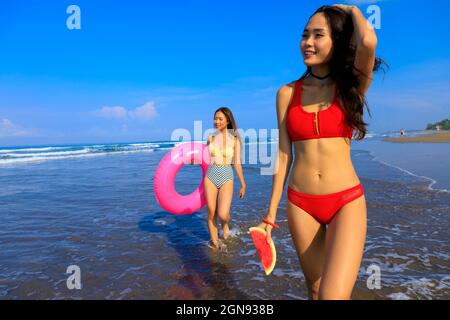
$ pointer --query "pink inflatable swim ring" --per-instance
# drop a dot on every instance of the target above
(164, 182)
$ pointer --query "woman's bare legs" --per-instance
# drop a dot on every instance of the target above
(223, 207)
(308, 236)
(211, 200)
(330, 257)
(345, 239)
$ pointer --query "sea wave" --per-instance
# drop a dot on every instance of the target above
(39, 154)
(9, 156)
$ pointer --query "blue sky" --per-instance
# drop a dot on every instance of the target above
(137, 70)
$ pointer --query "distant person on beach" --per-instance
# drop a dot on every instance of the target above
(326, 207)
(402, 132)
(225, 150)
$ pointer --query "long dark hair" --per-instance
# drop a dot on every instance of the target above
(230, 119)
(342, 68)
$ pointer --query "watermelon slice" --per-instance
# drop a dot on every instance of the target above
(267, 252)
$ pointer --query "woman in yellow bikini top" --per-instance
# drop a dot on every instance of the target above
(225, 151)
(222, 156)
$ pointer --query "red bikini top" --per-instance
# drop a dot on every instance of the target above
(327, 123)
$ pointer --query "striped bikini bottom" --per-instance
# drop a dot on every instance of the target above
(219, 174)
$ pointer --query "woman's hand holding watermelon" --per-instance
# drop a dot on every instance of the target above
(267, 227)
(262, 240)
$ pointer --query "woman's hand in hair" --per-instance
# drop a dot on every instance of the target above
(347, 9)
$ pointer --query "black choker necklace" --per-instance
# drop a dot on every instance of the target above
(322, 79)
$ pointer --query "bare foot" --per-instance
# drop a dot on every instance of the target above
(222, 246)
(219, 246)
(214, 245)
(226, 231)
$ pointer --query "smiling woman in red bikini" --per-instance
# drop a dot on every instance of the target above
(317, 116)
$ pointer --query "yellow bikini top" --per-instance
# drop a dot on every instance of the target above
(216, 151)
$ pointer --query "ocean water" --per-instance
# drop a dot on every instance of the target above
(430, 161)
(93, 206)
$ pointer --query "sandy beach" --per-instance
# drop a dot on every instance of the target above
(94, 207)
(442, 136)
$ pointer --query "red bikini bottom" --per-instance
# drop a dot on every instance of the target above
(324, 207)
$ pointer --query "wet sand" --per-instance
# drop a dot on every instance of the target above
(101, 215)
(442, 136)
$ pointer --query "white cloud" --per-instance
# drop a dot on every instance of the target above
(9, 129)
(145, 112)
(112, 112)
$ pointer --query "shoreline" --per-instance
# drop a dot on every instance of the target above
(423, 160)
(432, 136)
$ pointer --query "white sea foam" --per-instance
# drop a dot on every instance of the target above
(44, 154)
(399, 296)
(33, 149)
(39, 158)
